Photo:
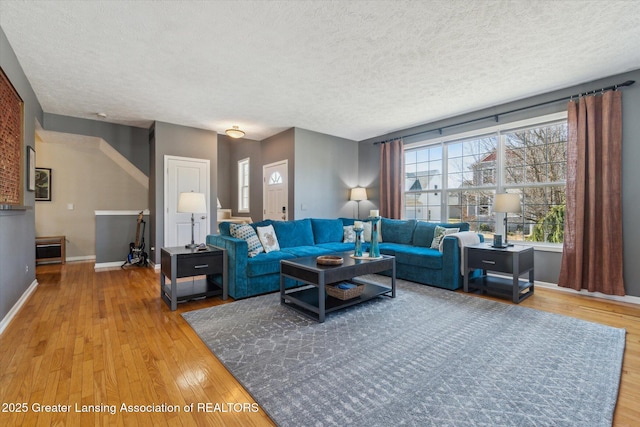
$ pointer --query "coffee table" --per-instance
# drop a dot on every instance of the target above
(313, 302)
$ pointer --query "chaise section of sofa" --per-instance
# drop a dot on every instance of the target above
(408, 240)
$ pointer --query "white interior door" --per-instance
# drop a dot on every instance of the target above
(184, 174)
(275, 193)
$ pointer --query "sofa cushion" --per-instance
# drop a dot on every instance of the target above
(398, 230)
(223, 227)
(419, 256)
(294, 233)
(302, 251)
(326, 230)
(347, 221)
(264, 223)
(338, 247)
(266, 263)
(424, 232)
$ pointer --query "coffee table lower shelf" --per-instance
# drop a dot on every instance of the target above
(305, 301)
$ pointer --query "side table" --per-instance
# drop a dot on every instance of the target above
(514, 260)
(179, 262)
(51, 249)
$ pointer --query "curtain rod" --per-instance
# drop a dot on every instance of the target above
(496, 116)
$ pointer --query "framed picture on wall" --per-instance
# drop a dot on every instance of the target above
(43, 184)
(31, 169)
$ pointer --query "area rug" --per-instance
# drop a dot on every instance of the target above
(429, 357)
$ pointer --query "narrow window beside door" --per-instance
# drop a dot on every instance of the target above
(243, 185)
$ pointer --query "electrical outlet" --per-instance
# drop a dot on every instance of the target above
(26, 268)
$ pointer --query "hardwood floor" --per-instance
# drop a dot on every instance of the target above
(107, 339)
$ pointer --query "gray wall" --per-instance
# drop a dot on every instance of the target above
(175, 140)
(113, 235)
(326, 168)
(131, 142)
(548, 263)
(230, 151)
(17, 228)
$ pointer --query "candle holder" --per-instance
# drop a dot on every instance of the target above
(358, 249)
(374, 250)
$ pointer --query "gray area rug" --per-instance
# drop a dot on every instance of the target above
(429, 357)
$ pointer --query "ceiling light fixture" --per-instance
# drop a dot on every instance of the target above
(234, 132)
(101, 115)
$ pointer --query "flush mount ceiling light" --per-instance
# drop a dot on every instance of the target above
(101, 115)
(234, 132)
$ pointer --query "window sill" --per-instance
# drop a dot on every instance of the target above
(541, 247)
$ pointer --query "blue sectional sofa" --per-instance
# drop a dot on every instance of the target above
(408, 240)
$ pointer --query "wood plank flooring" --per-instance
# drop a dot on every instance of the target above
(106, 339)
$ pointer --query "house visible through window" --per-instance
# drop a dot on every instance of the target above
(456, 178)
(243, 185)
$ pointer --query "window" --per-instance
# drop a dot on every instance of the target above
(275, 178)
(243, 185)
(455, 179)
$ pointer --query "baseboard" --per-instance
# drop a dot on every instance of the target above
(80, 258)
(17, 306)
(101, 265)
(626, 298)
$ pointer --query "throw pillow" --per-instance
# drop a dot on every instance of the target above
(248, 234)
(349, 236)
(267, 236)
(439, 234)
(367, 231)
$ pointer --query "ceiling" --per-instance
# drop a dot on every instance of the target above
(356, 69)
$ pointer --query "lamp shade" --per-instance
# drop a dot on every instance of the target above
(234, 132)
(219, 204)
(192, 203)
(358, 193)
(508, 203)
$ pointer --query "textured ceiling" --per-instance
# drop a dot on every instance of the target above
(354, 69)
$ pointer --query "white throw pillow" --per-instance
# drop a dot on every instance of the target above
(367, 231)
(267, 236)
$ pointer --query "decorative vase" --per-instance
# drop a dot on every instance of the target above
(374, 250)
(358, 251)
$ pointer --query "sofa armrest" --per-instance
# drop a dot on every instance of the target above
(237, 255)
(451, 262)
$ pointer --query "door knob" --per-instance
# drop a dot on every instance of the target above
(203, 217)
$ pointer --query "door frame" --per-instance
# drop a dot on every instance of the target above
(165, 209)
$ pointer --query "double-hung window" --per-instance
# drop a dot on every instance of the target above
(243, 185)
(455, 179)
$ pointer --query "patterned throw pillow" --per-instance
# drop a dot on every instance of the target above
(348, 235)
(267, 236)
(439, 234)
(247, 233)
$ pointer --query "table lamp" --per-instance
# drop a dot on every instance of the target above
(192, 203)
(507, 203)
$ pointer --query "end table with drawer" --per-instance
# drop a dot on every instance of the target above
(514, 260)
(179, 262)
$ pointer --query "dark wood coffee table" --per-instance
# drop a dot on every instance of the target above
(313, 302)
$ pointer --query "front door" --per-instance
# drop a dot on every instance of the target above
(185, 174)
(275, 194)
